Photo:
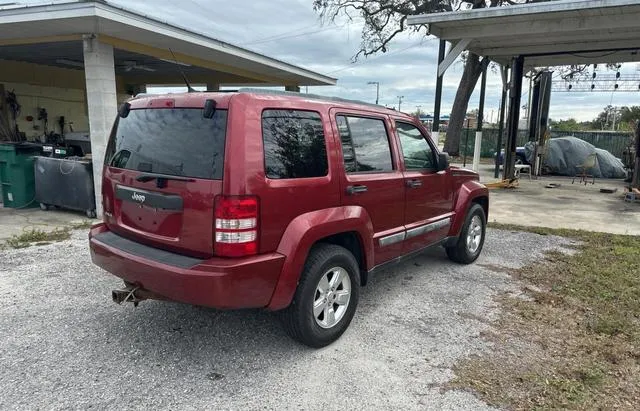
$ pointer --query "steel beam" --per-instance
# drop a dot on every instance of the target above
(436, 104)
(459, 47)
(504, 71)
(515, 94)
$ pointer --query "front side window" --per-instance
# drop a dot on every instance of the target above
(416, 151)
(294, 144)
(365, 144)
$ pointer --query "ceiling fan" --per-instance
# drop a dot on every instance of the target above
(133, 65)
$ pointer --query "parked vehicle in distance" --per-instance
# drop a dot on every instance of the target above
(275, 200)
(521, 156)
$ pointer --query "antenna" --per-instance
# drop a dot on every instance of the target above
(184, 77)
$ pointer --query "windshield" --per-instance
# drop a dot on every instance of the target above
(179, 142)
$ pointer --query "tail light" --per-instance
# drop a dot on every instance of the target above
(236, 229)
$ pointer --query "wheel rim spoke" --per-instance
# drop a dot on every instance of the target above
(336, 279)
(330, 316)
(342, 297)
(323, 286)
(318, 307)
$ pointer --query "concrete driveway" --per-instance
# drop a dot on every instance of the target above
(567, 205)
(65, 345)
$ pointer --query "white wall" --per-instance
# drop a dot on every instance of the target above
(70, 103)
(67, 102)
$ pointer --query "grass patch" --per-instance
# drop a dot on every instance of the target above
(575, 344)
(39, 237)
(36, 236)
(81, 225)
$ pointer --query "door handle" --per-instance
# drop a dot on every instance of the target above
(414, 183)
(351, 190)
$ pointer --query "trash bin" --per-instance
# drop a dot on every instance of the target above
(16, 174)
(66, 183)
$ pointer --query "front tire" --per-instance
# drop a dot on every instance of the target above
(326, 298)
(471, 240)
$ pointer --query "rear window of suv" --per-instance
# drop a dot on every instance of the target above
(178, 142)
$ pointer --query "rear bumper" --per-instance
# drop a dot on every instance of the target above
(217, 282)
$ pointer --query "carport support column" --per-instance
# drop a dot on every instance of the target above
(515, 93)
(503, 103)
(477, 149)
(635, 181)
(435, 134)
(100, 78)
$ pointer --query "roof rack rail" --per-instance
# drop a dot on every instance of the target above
(308, 96)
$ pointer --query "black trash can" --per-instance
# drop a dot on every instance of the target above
(65, 183)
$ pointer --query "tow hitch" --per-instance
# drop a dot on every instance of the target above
(133, 293)
(127, 294)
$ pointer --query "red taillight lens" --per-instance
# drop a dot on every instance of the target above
(236, 226)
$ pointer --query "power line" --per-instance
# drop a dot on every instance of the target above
(283, 37)
(361, 62)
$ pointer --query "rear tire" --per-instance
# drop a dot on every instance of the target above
(471, 239)
(326, 297)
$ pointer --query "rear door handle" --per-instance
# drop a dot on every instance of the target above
(351, 190)
(414, 183)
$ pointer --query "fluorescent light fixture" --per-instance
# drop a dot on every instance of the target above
(175, 62)
(70, 63)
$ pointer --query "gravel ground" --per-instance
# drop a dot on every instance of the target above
(64, 344)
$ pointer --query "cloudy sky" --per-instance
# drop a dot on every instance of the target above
(291, 31)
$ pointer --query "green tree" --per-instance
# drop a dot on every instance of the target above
(617, 118)
(566, 125)
(629, 116)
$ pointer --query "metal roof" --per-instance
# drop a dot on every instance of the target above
(549, 34)
(64, 21)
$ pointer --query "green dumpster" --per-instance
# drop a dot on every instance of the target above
(16, 174)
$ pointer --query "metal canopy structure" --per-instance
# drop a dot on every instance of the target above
(554, 33)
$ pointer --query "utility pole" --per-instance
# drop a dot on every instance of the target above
(377, 83)
(400, 102)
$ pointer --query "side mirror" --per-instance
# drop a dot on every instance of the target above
(443, 161)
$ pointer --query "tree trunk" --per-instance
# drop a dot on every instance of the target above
(472, 71)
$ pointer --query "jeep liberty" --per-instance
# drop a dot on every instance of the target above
(275, 200)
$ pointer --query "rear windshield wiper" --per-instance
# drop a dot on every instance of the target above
(144, 177)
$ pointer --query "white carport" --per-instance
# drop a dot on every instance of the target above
(95, 55)
(554, 33)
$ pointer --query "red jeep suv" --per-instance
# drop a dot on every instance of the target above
(276, 200)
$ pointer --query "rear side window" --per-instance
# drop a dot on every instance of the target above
(294, 145)
(365, 144)
(178, 142)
